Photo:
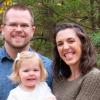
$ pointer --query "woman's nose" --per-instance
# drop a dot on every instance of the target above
(66, 46)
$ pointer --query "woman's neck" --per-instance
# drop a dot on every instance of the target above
(75, 73)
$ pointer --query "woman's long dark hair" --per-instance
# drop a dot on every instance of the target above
(88, 57)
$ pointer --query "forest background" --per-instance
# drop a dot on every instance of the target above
(49, 12)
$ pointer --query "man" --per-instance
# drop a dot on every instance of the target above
(17, 29)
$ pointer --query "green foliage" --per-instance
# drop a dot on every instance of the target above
(1, 41)
(98, 59)
(43, 47)
(96, 40)
(49, 12)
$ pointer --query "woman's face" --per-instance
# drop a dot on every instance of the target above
(69, 46)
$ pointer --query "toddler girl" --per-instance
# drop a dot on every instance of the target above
(30, 74)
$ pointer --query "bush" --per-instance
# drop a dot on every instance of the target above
(96, 40)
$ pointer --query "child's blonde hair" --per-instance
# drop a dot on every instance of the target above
(14, 76)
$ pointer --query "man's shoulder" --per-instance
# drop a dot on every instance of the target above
(45, 58)
(2, 52)
(1, 49)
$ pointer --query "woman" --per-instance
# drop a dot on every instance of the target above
(75, 74)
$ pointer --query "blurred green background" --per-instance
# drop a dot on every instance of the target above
(49, 12)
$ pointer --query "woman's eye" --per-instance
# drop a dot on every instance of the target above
(71, 40)
(59, 44)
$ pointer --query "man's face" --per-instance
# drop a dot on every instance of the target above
(18, 29)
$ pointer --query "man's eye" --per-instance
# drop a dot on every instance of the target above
(24, 25)
(13, 25)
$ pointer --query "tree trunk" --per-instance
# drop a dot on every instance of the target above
(98, 8)
(92, 15)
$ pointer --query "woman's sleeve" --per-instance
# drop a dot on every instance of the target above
(90, 89)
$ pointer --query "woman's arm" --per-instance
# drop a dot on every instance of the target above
(90, 89)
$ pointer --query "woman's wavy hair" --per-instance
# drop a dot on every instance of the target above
(88, 57)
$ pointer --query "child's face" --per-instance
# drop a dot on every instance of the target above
(29, 73)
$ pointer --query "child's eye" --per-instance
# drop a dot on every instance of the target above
(36, 69)
(26, 70)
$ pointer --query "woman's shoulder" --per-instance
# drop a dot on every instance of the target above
(93, 75)
(94, 72)
(91, 85)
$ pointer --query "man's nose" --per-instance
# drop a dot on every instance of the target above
(18, 27)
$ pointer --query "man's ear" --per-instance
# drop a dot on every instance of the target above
(33, 28)
(1, 30)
